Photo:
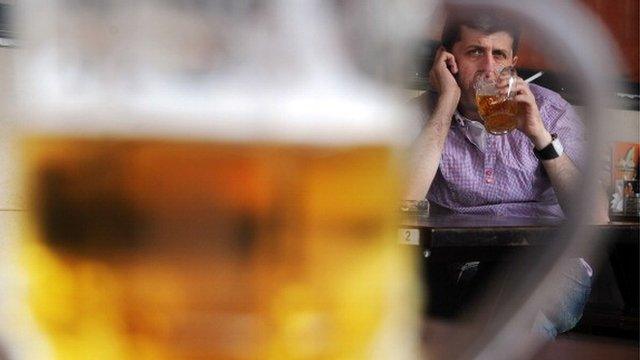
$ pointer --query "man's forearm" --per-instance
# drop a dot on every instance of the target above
(427, 149)
(565, 179)
(564, 176)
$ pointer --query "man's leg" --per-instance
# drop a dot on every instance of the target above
(442, 290)
(567, 303)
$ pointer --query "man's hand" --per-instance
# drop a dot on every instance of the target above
(529, 120)
(441, 75)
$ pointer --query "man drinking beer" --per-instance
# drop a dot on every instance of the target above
(461, 168)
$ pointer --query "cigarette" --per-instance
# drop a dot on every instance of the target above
(534, 76)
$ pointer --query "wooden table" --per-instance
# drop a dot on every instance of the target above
(462, 236)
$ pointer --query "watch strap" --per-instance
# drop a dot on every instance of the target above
(552, 151)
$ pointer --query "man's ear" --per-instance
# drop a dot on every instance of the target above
(515, 60)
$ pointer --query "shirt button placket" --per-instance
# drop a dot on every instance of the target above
(489, 162)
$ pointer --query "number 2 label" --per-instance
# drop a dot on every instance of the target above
(409, 236)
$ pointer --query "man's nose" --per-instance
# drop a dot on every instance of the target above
(488, 64)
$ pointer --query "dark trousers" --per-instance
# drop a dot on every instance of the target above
(453, 288)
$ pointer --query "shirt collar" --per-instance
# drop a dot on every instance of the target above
(473, 130)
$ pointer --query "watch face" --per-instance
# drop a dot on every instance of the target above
(557, 146)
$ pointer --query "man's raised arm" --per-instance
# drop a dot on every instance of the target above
(564, 175)
(427, 148)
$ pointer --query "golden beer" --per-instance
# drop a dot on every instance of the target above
(141, 248)
(499, 114)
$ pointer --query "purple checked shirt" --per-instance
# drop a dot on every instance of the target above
(502, 176)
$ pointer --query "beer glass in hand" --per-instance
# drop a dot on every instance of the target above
(494, 97)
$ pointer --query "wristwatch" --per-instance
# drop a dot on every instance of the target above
(551, 151)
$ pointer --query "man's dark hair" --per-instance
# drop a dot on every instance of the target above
(488, 21)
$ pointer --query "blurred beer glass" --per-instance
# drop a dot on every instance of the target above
(209, 180)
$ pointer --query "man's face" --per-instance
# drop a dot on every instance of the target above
(476, 54)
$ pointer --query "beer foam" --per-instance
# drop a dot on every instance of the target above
(320, 115)
(274, 73)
